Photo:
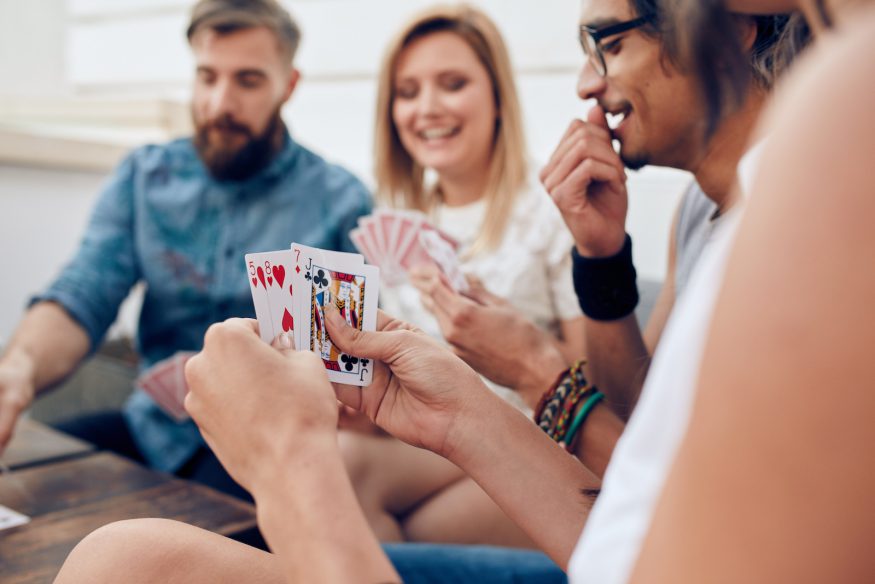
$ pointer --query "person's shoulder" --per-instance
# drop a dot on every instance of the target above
(820, 128)
(164, 156)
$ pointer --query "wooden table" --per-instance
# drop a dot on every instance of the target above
(34, 443)
(69, 498)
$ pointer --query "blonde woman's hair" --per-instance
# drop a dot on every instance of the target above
(400, 179)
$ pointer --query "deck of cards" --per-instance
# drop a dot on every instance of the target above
(399, 241)
(290, 290)
(165, 383)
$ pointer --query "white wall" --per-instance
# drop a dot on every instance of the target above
(110, 48)
(32, 39)
(42, 215)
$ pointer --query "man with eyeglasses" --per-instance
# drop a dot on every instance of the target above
(654, 113)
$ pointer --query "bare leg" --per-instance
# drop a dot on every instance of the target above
(464, 513)
(391, 478)
(160, 550)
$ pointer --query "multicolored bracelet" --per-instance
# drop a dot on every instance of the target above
(558, 404)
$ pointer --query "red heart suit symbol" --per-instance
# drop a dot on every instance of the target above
(279, 272)
(288, 321)
(255, 282)
(260, 273)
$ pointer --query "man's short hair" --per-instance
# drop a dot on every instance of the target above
(227, 16)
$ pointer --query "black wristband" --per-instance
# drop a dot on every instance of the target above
(605, 287)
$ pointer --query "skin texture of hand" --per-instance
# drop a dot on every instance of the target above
(16, 394)
(587, 181)
(247, 397)
(420, 390)
(494, 338)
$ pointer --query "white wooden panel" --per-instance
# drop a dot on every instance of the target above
(32, 47)
(141, 51)
(541, 35)
(549, 104)
(43, 215)
(103, 9)
(336, 120)
(348, 37)
(137, 42)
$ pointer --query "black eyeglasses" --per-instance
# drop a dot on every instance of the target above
(590, 39)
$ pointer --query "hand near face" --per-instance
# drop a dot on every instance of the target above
(256, 404)
(419, 388)
(587, 181)
(494, 338)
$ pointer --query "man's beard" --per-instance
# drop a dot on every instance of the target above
(240, 163)
(633, 161)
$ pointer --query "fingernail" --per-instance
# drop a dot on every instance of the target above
(334, 314)
(284, 341)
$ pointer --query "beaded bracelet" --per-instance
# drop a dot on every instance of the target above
(569, 440)
(557, 405)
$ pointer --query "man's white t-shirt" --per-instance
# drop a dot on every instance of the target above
(614, 532)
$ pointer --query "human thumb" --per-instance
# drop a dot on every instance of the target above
(372, 345)
(284, 343)
(596, 116)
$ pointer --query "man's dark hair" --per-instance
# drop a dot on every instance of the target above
(227, 16)
(701, 37)
(704, 38)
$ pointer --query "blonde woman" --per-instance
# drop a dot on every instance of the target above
(449, 143)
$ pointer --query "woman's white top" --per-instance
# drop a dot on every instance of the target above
(531, 267)
(612, 537)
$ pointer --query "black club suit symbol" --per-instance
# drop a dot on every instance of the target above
(320, 279)
(349, 361)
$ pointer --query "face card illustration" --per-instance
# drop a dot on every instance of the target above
(302, 279)
(352, 288)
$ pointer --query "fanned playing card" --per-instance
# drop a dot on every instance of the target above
(165, 384)
(270, 280)
(344, 281)
(392, 239)
(290, 290)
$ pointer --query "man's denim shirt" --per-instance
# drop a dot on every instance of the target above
(163, 220)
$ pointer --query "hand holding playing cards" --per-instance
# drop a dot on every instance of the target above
(587, 181)
(496, 340)
(257, 406)
(419, 390)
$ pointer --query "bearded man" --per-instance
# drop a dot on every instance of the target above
(179, 217)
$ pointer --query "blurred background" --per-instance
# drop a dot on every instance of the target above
(84, 81)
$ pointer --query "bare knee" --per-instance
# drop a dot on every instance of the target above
(124, 551)
(356, 450)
